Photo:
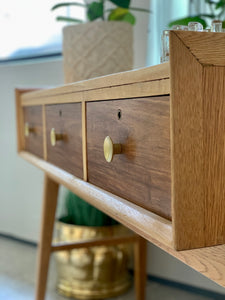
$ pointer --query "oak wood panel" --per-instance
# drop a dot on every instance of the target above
(153, 73)
(141, 173)
(145, 223)
(187, 150)
(44, 248)
(34, 142)
(208, 261)
(67, 153)
(206, 47)
(214, 150)
(141, 89)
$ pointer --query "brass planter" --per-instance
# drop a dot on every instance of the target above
(96, 272)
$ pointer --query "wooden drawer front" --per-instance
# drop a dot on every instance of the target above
(33, 142)
(140, 174)
(67, 153)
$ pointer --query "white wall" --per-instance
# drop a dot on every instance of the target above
(21, 183)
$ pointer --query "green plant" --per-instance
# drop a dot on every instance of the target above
(79, 212)
(217, 12)
(97, 10)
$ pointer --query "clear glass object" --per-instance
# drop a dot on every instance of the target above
(216, 26)
(179, 27)
(195, 26)
(165, 52)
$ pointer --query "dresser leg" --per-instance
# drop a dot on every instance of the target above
(140, 262)
(44, 248)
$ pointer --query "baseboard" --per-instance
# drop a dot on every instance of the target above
(16, 239)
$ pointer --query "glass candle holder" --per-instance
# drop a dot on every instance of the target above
(165, 52)
(195, 26)
(216, 26)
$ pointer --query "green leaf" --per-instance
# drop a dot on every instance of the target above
(223, 24)
(121, 3)
(221, 3)
(185, 21)
(117, 14)
(121, 14)
(65, 4)
(95, 11)
(68, 19)
(130, 18)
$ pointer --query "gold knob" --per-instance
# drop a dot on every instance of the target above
(55, 137)
(28, 129)
(111, 149)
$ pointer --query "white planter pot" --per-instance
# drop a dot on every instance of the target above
(97, 48)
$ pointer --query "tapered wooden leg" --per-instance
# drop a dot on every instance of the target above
(44, 248)
(140, 263)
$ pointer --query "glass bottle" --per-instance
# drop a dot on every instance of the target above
(216, 26)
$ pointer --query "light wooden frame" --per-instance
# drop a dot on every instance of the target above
(194, 78)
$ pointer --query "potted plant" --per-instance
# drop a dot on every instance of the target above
(101, 47)
(96, 272)
(216, 10)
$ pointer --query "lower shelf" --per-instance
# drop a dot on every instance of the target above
(208, 261)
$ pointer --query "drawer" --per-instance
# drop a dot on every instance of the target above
(142, 172)
(65, 121)
(33, 130)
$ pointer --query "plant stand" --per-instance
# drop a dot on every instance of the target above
(46, 247)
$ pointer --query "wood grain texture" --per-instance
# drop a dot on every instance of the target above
(141, 89)
(44, 248)
(143, 222)
(154, 73)
(141, 173)
(34, 142)
(84, 140)
(140, 262)
(214, 154)
(19, 116)
(187, 148)
(206, 47)
(197, 137)
(67, 153)
(208, 261)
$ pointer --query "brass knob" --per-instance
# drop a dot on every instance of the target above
(55, 137)
(111, 149)
(28, 129)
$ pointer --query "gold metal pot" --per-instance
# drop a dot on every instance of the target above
(92, 273)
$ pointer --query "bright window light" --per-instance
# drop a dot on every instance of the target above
(29, 28)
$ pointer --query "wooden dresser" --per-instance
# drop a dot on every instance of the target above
(166, 125)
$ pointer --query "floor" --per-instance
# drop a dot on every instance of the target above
(17, 277)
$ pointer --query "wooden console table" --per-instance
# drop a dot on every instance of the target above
(167, 182)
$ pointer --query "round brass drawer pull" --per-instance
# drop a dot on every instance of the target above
(28, 129)
(55, 137)
(111, 149)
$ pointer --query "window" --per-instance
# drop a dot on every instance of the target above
(29, 29)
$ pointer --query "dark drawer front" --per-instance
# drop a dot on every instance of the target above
(65, 119)
(33, 130)
(141, 173)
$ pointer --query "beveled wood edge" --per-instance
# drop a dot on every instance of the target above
(211, 54)
(208, 261)
(152, 73)
(135, 90)
(149, 225)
